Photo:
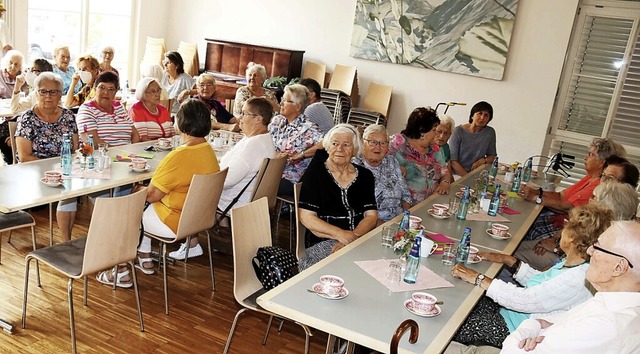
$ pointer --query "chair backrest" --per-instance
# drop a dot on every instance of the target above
(13, 125)
(167, 103)
(378, 98)
(314, 71)
(189, 54)
(154, 50)
(343, 78)
(268, 179)
(199, 210)
(250, 230)
(114, 232)
(301, 230)
(230, 105)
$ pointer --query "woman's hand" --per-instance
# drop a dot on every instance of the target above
(529, 344)
(529, 193)
(338, 246)
(481, 161)
(20, 80)
(544, 246)
(443, 188)
(345, 237)
(497, 258)
(464, 273)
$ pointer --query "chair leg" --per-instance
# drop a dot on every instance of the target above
(233, 328)
(164, 277)
(213, 279)
(186, 253)
(85, 291)
(266, 333)
(50, 224)
(281, 325)
(72, 322)
(25, 291)
(331, 343)
(33, 240)
(291, 228)
(135, 288)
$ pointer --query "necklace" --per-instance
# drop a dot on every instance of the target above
(573, 265)
(153, 113)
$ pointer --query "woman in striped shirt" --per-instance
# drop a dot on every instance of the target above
(151, 119)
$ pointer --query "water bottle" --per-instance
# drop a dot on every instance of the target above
(464, 205)
(65, 156)
(495, 202)
(528, 165)
(493, 172)
(517, 180)
(464, 246)
(413, 263)
(92, 159)
(125, 91)
(404, 223)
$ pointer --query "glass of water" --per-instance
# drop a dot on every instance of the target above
(449, 253)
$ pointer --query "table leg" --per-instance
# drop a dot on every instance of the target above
(6, 326)
(50, 224)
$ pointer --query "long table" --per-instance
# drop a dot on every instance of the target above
(371, 313)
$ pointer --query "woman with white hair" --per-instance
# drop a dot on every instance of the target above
(443, 156)
(256, 75)
(220, 117)
(107, 57)
(62, 58)
(10, 68)
(337, 199)
(151, 119)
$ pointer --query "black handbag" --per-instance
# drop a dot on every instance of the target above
(274, 265)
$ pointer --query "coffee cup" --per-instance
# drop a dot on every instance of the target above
(331, 285)
(440, 209)
(164, 142)
(414, 222)
(473, 253)
(85, 76)
(218, 142)
(138, 163)
(499, 229)
(53, 176)
(427, 247)
(423, 302)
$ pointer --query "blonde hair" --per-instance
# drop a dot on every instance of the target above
(586, 223)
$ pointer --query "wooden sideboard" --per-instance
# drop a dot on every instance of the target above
(228, 62)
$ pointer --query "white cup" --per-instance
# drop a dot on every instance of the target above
(331, 285)
(423, 302)
(427, 247)
(499, 229)
(414, 222)
(440, 209)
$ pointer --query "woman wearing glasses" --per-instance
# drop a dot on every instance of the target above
(151, 119)
(441, 138)
(20, 104)
(416, 153)
(220, 117)
(107, 57)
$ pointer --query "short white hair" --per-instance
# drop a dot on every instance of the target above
(375, 129)
(257, 67)
(11, 54)
(342, 129)
(627, 243)
(143, 84)
(446, 119)
(619, 197)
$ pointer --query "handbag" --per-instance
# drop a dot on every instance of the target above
(274, 265)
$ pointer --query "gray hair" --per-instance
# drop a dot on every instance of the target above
(375, 129)
(143, 84)
(299, 95)
(57, 49)
(342, 129)
(619, 197)
(607, 147)
(48, 76)
(206, 77)
(627, 243)
(257, 67)
(12, 54)
(446, 119)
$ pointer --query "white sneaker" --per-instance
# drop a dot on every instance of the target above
(180, 253)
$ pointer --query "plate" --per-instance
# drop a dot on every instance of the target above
(139, 169)
(55, 184)
(317, 288)
(408, 304)
(477, 259)
(446, 215)
(490, 233)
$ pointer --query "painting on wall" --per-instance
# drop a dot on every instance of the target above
(468, 37)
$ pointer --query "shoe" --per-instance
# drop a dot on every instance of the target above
(141, 265)
(103, 277)
(180, 253)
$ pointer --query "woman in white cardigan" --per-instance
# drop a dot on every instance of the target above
(557, 289)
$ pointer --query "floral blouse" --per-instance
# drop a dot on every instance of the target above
(391, 188)
(423, 171)
(243, 95)
(46, 138)
(294, 138)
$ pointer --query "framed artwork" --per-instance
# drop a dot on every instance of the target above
(469, 37)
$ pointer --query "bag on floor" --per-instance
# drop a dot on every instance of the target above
(274, 265)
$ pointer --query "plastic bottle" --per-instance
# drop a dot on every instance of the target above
(464, 205)
(125, 91)
(493, 172)
(404, 223)
(528, 166)
(517, 180)
(65, 155)
(495, 202)
(92, 159)
(463, 247)
(413, 262)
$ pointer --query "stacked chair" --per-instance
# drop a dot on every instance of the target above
(189, 54)
(375, 108)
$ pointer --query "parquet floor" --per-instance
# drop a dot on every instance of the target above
(199, 319)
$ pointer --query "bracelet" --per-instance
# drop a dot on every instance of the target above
(445, 181)
(515, 267)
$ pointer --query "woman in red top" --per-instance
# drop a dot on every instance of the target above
(151, 119)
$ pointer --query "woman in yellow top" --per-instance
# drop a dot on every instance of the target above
(91, 66)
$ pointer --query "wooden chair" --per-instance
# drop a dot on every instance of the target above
(112, 239)
(250, 231)
(316, 71)
(17, 220)
(375, 109)
(344, 78)
(189, 54)
(198, 215)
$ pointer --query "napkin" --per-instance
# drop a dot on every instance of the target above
(427, 279)
(128, 157)
(510, 211)
(511, 194)
(439, 239)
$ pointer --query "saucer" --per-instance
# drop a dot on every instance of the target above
(317, 288)
(55, 184)
(408, 304)
(432, 212)
(475, 260)
(490, 233)
(165, 148)
(146, 168)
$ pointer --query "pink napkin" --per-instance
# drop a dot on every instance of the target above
(482, 216)
(426, 278)
(510, 211)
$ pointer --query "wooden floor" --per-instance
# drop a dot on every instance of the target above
(199, 319)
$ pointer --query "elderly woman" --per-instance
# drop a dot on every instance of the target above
(256, 75)
(39, 136)
(243, 160)
(88, 64)
(337, 201)
(155, 71)
(557, 289)
(151, 119)
(107, 57)
(443, 156)
(20, 104)
(10, 68)
(168, 188)
(415, 152)
(62, 57)
(104, 117)
(294, 136)
(174, 79)
(392, 194)
(619, 169)
(206, 88)
(473, 144)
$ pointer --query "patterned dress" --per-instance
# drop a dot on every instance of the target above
(243, 95)
(46, 138)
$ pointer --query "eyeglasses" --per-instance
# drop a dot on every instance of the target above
(206, 84)
(108, 89)
(107, 52)
(596, 247)
(592, 154)
(44, 92)
(243, 113)
(153, 91)
(35, 71)
(605, 178)
(377, 143)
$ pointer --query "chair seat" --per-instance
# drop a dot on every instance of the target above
(160, 238)
(252, 303)
(13, 220)
(286, 198)
(66, 257)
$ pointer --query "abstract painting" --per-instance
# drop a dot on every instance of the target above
(468, 37)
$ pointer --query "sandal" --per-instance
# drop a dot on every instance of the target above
(141, 265)
(103, 277)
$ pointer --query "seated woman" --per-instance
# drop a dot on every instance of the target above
(244, 161)
(294, 136)
(174, 79)
(88, 64)
(337, 199)
(104, 117)
(155, 71)
(39, 136)
(392, 194)
(9, 70)
(62, 57)
(220, 117)
(20, 104)
(256, 75)
(443, 156)
(473, 144)
(556, 290)
(107, 57)
(415, 152)
(151, 119)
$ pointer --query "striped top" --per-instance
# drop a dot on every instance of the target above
(114, 128)
(151, 126)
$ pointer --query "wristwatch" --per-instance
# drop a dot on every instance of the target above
(479, 279)
(538, 200)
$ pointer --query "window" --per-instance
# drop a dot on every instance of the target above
(599, 93)
(86, 26)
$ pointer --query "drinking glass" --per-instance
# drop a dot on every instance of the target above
(454, 203)
(388, 232)
(448, 253)
(394, 272)
(102, 148)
